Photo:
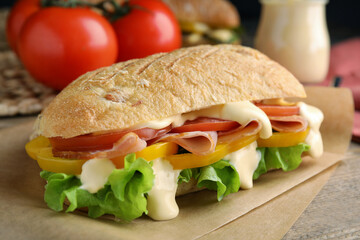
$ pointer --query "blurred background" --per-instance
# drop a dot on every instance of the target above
(343, 18)
(21, 95)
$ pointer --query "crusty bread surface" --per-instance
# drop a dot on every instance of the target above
(215, 13)
(162, 85)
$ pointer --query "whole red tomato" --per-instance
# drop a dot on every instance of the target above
(57, 45)
(150, 27)
(19, 13)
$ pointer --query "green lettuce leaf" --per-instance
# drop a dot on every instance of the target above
(221, 177)
(285, 158)
(123, 195)
(56, 188)
(186, 174)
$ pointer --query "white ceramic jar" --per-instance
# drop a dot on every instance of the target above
(294, 33)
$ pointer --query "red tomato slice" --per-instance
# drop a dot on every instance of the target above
(94, 142)
(274, 110)
(206, 124)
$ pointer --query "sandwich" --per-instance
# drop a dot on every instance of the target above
(125, 140)
(207, 21)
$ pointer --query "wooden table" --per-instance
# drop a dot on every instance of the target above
(335, 211)
(333, 214)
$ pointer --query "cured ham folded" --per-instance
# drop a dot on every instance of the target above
(130, 142)
(251, 128)
(197, 142)
(293, 123)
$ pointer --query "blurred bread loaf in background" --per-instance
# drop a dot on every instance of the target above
(207, 21)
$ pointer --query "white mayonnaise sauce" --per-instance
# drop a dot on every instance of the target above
(161, 202)
(241, 112)
(95, 173)
(314, 117)
(245, 160)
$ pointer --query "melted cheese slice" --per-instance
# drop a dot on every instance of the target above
(245, 160)
(241, 112)
(95, 173)
(161, 202)
(314, 117)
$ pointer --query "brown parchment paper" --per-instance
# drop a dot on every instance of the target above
(273, 219)
(23, 213)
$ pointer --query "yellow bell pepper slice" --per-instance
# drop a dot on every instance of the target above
(282, 139)
(34, 147)
(48, 162)
(150, 153)
(40, 149)
(189, 160)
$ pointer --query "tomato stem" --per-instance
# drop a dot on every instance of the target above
(119, 10)
(111, 9)
(66, 4)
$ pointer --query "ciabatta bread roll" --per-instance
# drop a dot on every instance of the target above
(126, 139)
(162, 85)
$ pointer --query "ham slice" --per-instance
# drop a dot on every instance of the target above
(204, 142)
(293, 123)
(249, 129)
(129, 143)
(196, 142)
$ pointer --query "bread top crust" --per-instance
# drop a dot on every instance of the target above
(215, 13)
(162, 85)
